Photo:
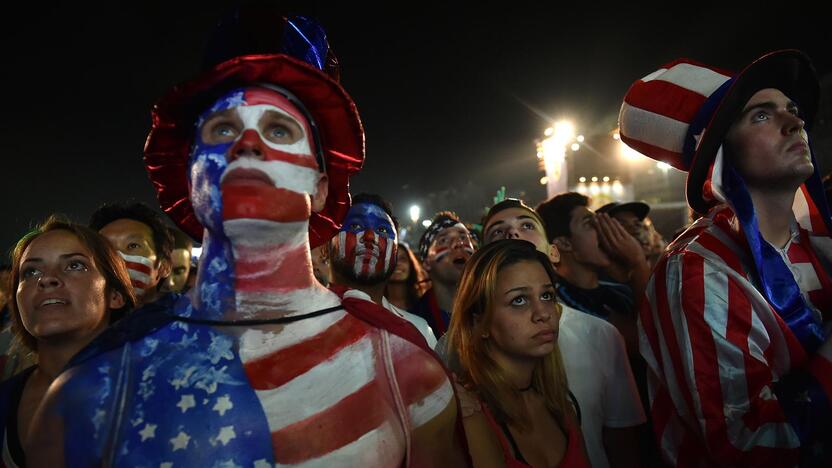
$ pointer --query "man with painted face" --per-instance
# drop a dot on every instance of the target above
(259, 365)
(736, 330)
(444, 248)
(143, 241)
(364, 256)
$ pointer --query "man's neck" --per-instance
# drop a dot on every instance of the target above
(577, 273)
(272, 271)
(444, 294)
(774, 214)
(397, 294)
(375, 291)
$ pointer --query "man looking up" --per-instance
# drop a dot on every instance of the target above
(364, 255)
(735, 331)
(444, 248)
(259, 365)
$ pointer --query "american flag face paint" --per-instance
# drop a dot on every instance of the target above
(253, 157)
(365, 248)
(140, 269)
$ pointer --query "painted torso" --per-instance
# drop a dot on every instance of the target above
(318, 392)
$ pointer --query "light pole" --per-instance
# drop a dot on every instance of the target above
(552, 150)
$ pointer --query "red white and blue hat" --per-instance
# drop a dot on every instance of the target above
(292, 53)
(680, 113)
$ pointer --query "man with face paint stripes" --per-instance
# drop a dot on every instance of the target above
(363, 255)
(444, 248)
(143, 241)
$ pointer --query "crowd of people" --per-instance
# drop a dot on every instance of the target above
(309, 335)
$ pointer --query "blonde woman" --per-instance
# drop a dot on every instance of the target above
(504, 327)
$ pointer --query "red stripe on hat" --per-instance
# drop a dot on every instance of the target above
(334, 427)
(659, 154)
(273, 370)
(676, 102)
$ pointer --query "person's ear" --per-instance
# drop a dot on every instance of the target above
(554, 253)
(563, 244)
(115, 300)
(164, 269)
(321, 191)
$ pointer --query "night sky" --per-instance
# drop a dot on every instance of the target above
(452, 97)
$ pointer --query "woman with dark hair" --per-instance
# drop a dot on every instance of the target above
(66, 285)
(408, 281)
(516, 405)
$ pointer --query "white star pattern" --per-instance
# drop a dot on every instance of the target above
(186, 402)
(223, 404)
(180, 442)
(226, 434)
(148, 432)
(262, 463)
(166, 465)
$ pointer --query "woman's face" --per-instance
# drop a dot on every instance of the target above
(61, 293)
(526, 314)
(402, 270)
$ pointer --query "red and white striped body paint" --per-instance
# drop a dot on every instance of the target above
(338, 392)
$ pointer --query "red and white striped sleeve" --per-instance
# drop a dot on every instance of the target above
(712, 363)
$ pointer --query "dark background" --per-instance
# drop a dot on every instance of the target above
(452, 96)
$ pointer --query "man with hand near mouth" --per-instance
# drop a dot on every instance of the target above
(143, 241)
(363, 256)
(444, 248)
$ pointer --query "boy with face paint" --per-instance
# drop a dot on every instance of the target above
(736, 330)
(143, 241)
(444, 248)
(364, 256)
(259, 365)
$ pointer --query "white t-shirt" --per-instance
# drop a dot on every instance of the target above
(417, 321)
(600, 377)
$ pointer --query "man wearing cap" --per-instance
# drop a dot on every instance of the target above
(633, 217)
(735, 332)
(259, 365)
(444, 248)
(593, 353)
(364, 256)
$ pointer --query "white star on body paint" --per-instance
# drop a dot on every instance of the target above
(226, 434)
(148, 432)
(223, 404)
(166, 465)
(180, 442)
(186, 402)
(262, 463)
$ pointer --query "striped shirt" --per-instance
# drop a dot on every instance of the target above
(716, 349)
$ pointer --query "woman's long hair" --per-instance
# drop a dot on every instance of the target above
(473, 311)
(106, 258)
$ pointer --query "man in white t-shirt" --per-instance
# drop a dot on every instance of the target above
(593, 353)
(363, 256)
